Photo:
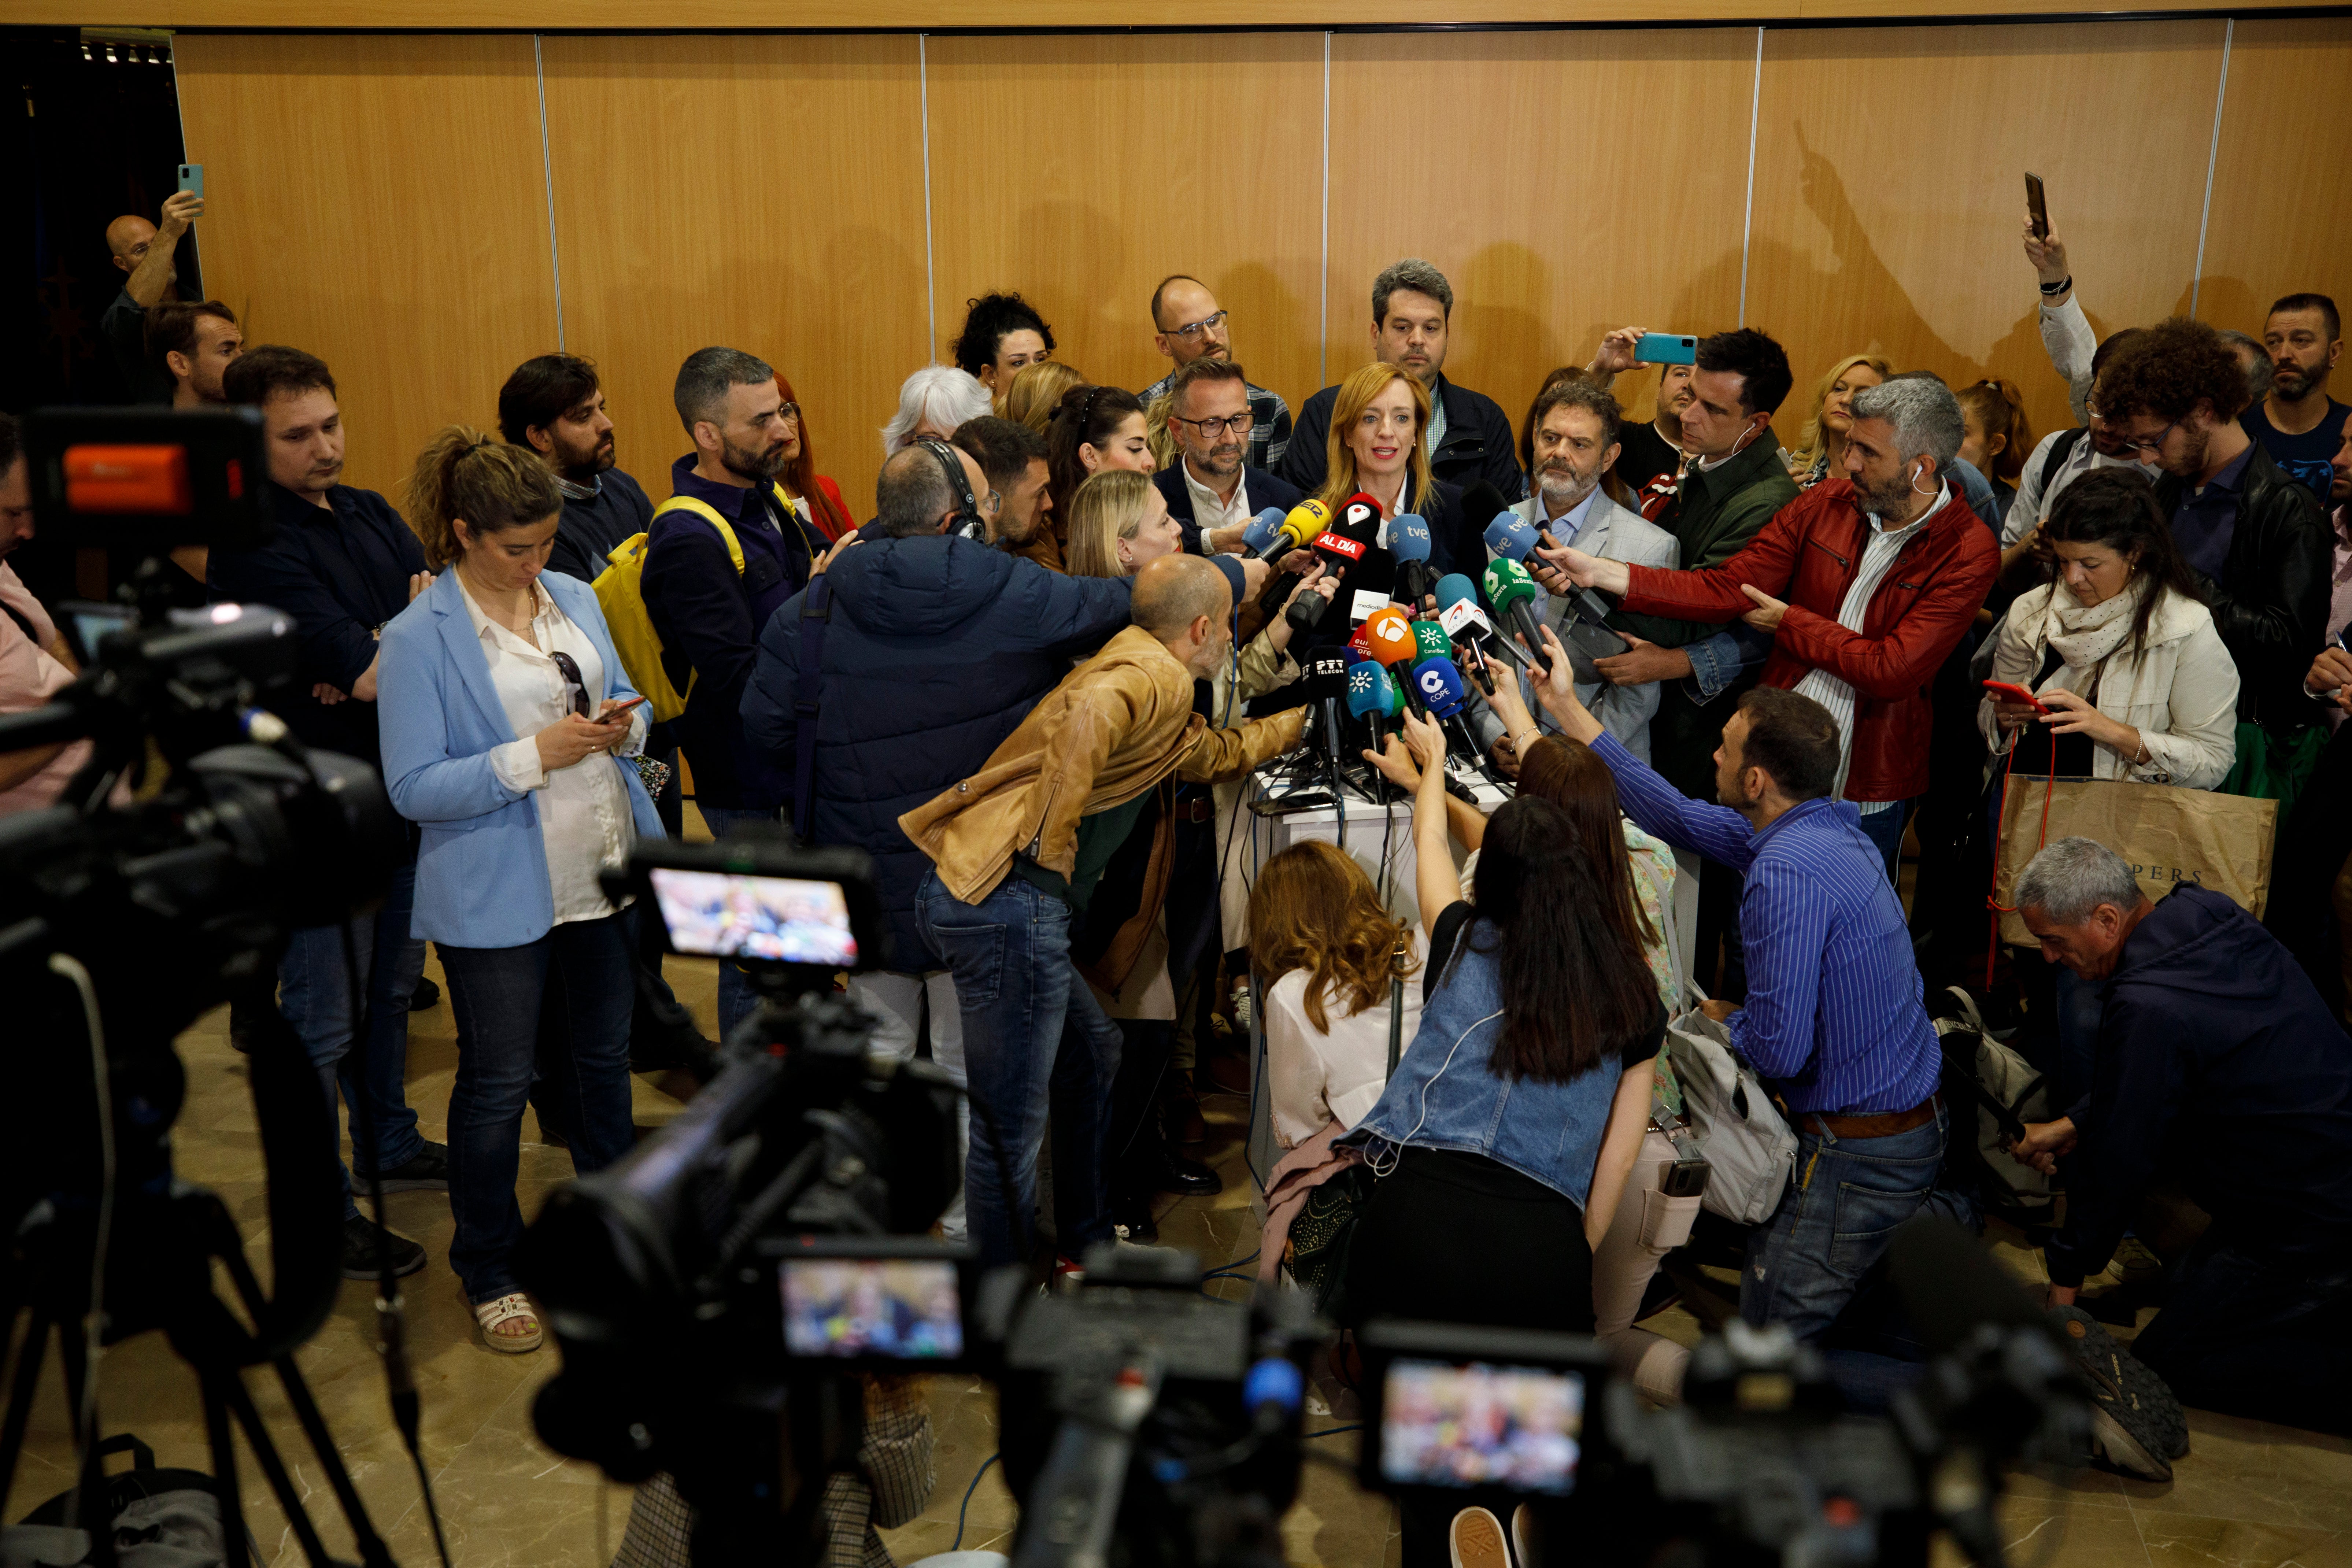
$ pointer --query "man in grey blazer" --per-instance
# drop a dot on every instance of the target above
(1574, 443)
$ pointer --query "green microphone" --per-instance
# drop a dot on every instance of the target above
(1512, 593)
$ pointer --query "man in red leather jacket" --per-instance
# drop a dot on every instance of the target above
(1866, 583)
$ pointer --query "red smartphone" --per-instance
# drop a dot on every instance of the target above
(623, 710)
(2010, 692)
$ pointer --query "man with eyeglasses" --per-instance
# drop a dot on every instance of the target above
(2251, 530)
(1213, 492)
(1188, 325)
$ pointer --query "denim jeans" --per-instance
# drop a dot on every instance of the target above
(737, 1000)
(1834, 1222)
(2256, 1333)
(496, 995)
(899, 1001)
(1034, 1039)
(314, 995)
(1885, 831)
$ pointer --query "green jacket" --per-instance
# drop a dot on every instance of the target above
(1721, 511)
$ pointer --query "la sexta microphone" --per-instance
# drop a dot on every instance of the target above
(1261, 531)
(1512, 593)
(1390, 637)
(1458, 613)
(1409, 543)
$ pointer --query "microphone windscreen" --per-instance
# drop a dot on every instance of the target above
(1440, 684)
(1359, 518)
(1453, 589)
(1481, 498)
(1510, 536)
(1508, 584)
(1390, 637)
(1409, 538)
(1326, 677)
(1366, 684)
(1263, 528)
(1306, 519)
(1391, 695)
(1431, 639)
(1360, 644)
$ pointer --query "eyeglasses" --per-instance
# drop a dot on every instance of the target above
(2154, 448)
(1206, 324)
(1237, 424)
(572, 681)
(791, 411)
(993, 503)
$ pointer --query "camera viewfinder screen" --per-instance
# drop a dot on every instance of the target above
(1444, 1424)
(896, 1308)
(780, 920)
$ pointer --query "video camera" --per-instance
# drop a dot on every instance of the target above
(197, 834)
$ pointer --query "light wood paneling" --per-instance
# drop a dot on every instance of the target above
(1570, 182)
(761, 193)
(2282, 220)
(725, 16)
(377, 200)
(1082, 171)
(1890, 193)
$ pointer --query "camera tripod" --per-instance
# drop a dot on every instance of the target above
(163, 1235)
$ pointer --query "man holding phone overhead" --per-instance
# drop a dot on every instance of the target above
(148, 254)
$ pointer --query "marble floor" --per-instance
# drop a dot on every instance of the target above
(2248, 1495)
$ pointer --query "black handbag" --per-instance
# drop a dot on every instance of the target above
(1322, 1233)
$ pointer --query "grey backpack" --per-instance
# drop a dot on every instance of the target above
(1739, 1130)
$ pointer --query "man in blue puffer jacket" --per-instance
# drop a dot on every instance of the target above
(936, 648)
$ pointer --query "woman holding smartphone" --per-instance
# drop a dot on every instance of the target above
(509, 727)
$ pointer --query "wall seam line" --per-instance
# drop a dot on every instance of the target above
(1747, 215)
(1323, 273)
(2212, 158)
(930, 274)
(547, 174)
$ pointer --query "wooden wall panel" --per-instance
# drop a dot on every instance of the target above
(2282, 222)
(1082, 171)
(1889, 190)
(761, 193)
(377, 200)
(1573, 181)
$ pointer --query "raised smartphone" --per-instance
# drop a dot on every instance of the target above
(2037, 206)
(192, 180)
(1667, 348)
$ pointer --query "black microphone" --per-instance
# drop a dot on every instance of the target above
(1326, 686)
(1337, 553)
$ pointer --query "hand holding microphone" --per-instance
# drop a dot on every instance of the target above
(1513, 595)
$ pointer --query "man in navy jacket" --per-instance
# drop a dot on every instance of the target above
(1210, 490)
(2216, 1055)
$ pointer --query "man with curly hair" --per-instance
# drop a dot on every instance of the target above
(1002, 334)
(2252, 532)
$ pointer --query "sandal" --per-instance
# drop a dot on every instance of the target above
(506, 1309)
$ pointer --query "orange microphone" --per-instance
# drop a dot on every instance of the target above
(1388, 635)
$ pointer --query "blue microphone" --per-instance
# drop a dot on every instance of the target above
(1261, 533)
(1440, 685)
(1510, 536)
(1409, 543)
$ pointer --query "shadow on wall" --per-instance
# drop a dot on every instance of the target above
(1269, 336)
(1092, 327)
(847, 364)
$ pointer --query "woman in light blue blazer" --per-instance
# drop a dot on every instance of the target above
(507, 738)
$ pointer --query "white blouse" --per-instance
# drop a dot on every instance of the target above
(1316, 1077)
(583, 810)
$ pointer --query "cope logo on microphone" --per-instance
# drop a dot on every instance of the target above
(1433, 684)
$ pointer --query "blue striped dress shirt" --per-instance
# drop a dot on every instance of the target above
(1834, 1020)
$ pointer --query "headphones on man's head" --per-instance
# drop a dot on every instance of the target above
(966, 520)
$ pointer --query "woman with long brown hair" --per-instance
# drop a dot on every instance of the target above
(816, 498)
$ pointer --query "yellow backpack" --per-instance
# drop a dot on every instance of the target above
(620, 593)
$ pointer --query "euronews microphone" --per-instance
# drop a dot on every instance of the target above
(1390, 637)
(1512, 593)
(1458, 613)
(1409, 543)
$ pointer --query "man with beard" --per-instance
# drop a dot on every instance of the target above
(1188, 325)
(193, 343)
(721, 554)
(1468, 438)
(1211, 491)
(1011, 458)
(1883, 570)
(2297, 423)
(343, 563)
(2252, 531)
(1832, 1021)
(554, 404)
(1573, 440)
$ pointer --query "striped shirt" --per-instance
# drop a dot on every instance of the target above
(1834, 1020)
(1877, 560)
